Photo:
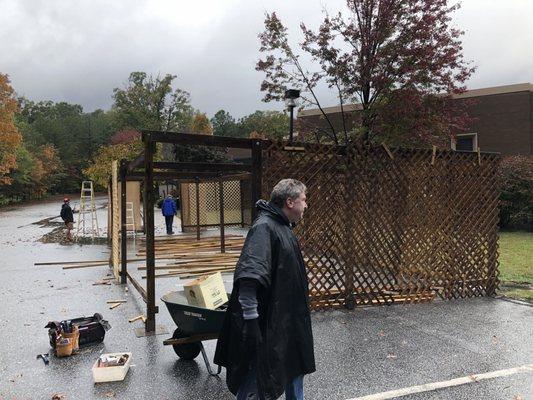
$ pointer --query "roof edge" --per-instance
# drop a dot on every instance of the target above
(494, 90)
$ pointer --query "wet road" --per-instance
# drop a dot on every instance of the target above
(358, 353)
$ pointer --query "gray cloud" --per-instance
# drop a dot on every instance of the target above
(78, 51)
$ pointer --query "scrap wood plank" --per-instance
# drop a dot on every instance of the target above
(69, 262)
(192, 238)
(115, 305)
(192, 266)
(205, 243)
(213, 239)
(102, 283)
(82, 262)
(116, 301)
(138, 317)
(192, 273)
(189, 266)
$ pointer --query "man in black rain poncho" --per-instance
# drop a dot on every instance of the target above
(266, 342)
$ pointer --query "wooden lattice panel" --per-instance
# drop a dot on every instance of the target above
(398, 227)
(210, 203)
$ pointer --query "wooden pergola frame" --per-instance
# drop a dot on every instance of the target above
(183, 172)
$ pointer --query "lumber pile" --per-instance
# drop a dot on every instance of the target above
(190, 257)
(185, 256)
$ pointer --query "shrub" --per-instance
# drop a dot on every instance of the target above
(516, 209)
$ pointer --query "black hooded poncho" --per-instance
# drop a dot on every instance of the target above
(271, 255)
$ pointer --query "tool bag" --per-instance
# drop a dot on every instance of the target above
(92, 329)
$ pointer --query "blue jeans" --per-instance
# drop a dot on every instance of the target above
(248, 390)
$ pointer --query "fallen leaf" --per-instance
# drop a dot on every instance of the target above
(518, 397)
(110, 394)
(381, 333)
(58, 396)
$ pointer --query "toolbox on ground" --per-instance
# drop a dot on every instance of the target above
(91, 329)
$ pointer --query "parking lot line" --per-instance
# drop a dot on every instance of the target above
(392, 394)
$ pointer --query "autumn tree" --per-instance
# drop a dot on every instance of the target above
(99, 171)
(200, 124)
(400, 60)
(10, 137)
(152, 103)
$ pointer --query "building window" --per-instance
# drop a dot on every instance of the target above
(465, 142)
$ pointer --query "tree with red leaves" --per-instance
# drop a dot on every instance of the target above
(400, 60)
(125, 136)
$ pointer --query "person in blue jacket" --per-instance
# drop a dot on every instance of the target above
(169, 210)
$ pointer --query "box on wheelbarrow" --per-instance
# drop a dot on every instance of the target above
(206, 292)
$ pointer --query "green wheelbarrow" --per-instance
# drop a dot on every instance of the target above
(194, 325)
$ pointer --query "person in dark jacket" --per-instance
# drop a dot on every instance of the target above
(168, 208)
(68, 217)
(266, 342)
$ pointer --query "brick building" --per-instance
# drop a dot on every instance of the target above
(503, 119)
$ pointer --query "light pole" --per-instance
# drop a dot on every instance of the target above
(290, 101)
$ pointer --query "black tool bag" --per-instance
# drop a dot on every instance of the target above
(92, 329)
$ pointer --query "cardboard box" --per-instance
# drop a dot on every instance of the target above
(111, 374)
(206, 292)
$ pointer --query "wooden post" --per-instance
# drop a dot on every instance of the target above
(242, 203)
(197, 185)
(256, 175)
(221, 205)
(123, 230)
(149, 229)
(110, 215)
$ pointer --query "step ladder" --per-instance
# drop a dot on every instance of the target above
(130, 218)
(87, 207)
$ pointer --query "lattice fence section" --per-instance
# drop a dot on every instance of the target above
(209, 201)
(400, 227)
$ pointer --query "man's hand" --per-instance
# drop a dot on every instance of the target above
(251, 333)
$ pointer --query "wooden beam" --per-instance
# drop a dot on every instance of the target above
(188, 177)
(138, 286)
(203, 166)
(197, 139)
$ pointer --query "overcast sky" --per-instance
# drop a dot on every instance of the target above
(79, 50)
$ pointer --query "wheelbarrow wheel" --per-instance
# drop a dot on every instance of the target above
(186, 351)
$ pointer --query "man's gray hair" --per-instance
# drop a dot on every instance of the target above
(286, 189)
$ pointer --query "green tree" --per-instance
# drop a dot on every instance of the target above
(271, 124)
(75, 135)
(152, 103)
(224, 124)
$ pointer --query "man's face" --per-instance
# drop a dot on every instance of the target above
(294, 208)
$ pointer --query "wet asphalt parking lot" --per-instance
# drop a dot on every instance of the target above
(359, 353)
